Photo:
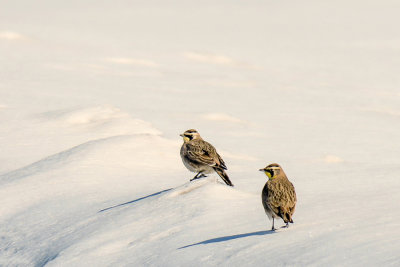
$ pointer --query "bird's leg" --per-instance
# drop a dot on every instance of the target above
(195, 177)
(198, 175)
(286, 226)
(273, 222)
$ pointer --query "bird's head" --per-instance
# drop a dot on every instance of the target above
(272, 170)
(190, 135)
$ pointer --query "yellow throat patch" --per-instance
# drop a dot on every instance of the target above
(268, 174)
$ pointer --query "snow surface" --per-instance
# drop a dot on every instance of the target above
(94, 95)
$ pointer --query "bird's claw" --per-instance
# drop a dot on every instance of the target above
(198, 177)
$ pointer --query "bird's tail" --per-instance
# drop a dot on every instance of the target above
(287, 218)
(224, 176)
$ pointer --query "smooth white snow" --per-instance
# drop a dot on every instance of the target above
(92, 105)
(9, 35)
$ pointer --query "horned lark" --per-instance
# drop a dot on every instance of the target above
(278, 195)
(201, 157)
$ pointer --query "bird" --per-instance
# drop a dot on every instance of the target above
(201, 157)
(278, 195)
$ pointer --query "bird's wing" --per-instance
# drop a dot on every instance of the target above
(203, 152)
(282, 198)
(208, 148)
(274, 197)
(292, 194)
(291, 202)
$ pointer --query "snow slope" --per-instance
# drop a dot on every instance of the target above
(94, 95)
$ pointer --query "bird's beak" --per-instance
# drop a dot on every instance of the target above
(261, 170)
(181, 135)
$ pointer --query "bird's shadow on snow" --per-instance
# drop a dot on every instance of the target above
(136, 200)
(229, 237)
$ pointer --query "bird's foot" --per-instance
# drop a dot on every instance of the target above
(198, 177)
(285, 226)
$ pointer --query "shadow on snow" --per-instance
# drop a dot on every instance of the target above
(229, 237)
(136, 200)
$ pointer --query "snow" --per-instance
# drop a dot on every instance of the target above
(221, 117)
(93, 97)
(8, 35)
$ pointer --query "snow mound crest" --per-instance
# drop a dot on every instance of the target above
(107, 118)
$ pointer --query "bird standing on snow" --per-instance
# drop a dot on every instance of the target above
(278, 195)
(201, 157)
